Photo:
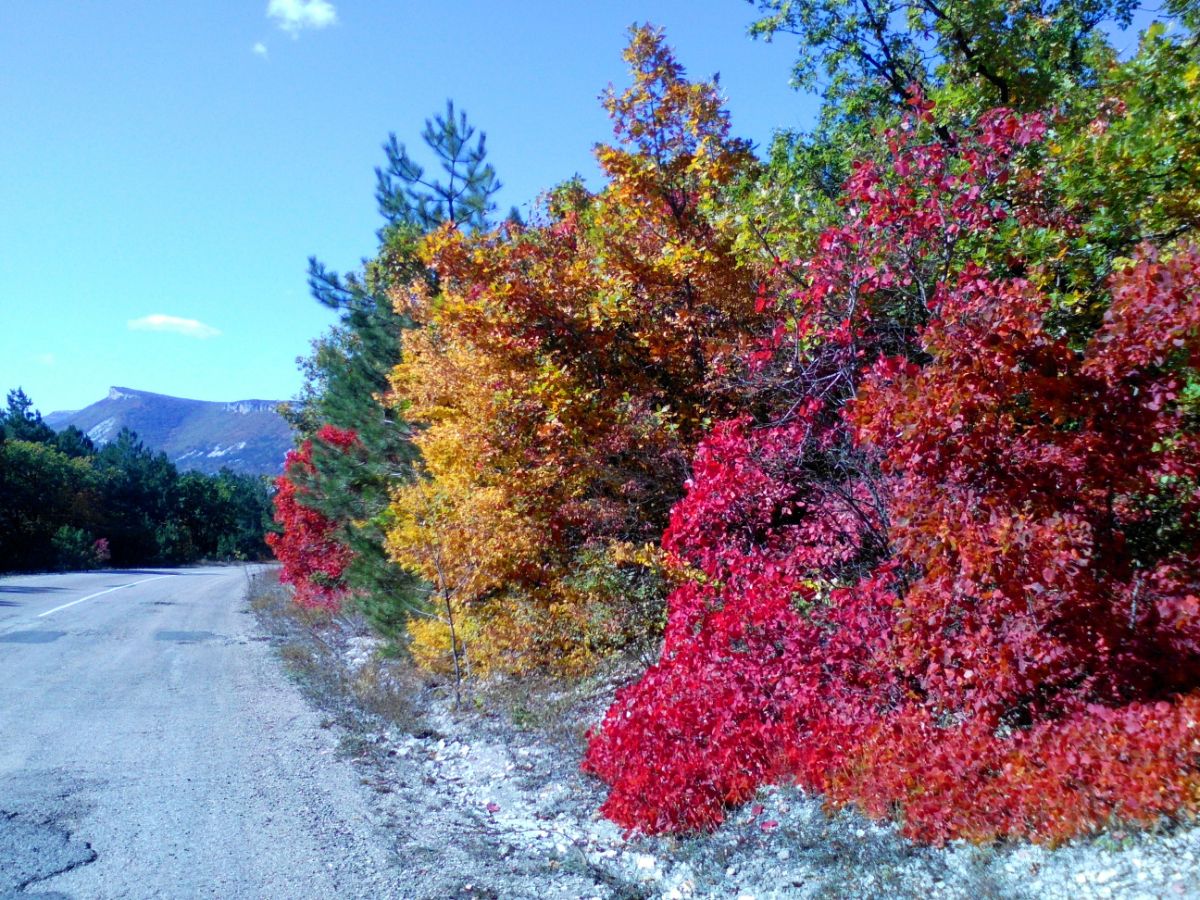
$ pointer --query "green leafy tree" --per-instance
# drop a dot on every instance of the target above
(225, 515)
(74, 549)
(41, 491)
(74, 443)
(1127, 161)
(1122, 157)
(136, 492)
(246, 504)
(1014, 53)
(22, 422)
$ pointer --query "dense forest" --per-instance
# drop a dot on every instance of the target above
(67, 504)
(882, 442)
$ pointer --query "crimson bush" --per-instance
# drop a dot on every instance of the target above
(952, 577)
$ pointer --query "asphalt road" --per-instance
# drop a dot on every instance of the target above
(151, 745)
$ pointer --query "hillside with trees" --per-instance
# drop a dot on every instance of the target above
(244, 436)
(883, 444)
(67, 504)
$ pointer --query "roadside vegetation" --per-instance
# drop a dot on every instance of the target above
(68, 504)
(880, 447)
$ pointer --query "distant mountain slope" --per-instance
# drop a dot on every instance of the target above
(245, 436)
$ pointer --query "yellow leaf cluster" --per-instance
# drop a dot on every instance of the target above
(559, 379)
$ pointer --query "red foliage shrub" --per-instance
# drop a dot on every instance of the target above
(1026, 482)
(1138, 762)
(761, 676)
(956, 579)
(313, 559)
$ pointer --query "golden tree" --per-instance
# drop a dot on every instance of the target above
(562, 374)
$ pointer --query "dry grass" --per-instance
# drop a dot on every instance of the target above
(391, 689)
(312, 644)
(297, 657)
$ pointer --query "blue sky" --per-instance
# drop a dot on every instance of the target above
(168, 167)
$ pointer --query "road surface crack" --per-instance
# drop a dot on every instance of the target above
(34, 852)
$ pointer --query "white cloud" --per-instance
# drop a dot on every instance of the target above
(259, 49)
(293, 16)
(159, 322)
(47, 359)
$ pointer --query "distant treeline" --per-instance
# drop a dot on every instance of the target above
(67, 504)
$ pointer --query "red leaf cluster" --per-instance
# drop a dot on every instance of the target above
(762, 675)
(954, 578)
(312, 556)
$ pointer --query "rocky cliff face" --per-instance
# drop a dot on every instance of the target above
(246, 436)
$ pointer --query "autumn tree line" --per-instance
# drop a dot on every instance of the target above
(66, 504)
(881, 444)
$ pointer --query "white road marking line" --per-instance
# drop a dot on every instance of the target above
(99, 594)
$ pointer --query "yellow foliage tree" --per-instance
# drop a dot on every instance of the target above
(561, 376)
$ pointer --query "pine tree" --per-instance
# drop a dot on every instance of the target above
(346, 376)
(408, 199)
(74, 443)
(24, 423)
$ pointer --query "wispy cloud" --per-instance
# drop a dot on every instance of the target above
(259, 49)
(47, 359)
(160, 322)
(293, 16)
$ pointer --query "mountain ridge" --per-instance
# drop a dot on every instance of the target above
(246, 436)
